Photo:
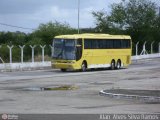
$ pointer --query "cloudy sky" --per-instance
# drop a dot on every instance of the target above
(30, 13)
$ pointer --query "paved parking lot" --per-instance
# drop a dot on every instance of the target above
(20, 91)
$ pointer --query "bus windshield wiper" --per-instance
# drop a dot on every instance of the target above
(60, 54)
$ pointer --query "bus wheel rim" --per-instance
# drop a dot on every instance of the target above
(112, 65)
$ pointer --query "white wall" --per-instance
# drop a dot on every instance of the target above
(24, 66)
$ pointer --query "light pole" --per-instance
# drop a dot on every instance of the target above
(78, 14)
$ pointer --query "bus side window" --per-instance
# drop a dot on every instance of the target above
(101, 44)
(129, 44)
(87, 44)
(109, 44)
(126, 43)
(95, 44)
(117, 44)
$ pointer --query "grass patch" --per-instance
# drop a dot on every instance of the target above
(63, 87)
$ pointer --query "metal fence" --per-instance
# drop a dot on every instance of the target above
(143, 53)
(32, 47)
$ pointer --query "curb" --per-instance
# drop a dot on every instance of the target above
(126, 96)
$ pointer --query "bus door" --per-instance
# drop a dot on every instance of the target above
(79, 48)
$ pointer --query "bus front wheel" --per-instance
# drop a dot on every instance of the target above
(84, 67)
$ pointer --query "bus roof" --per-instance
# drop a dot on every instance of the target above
(95, 35)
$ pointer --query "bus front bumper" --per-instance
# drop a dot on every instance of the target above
(71, 66)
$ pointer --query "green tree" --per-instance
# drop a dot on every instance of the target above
(16, 38)
(48, 31)
(102, 24)
(134, 17)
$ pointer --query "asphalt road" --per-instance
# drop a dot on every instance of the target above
(51, 73)
(19, 91)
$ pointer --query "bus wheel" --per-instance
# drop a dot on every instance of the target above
(112, 65)
(118, 66)
(84, 67)
(63, 70)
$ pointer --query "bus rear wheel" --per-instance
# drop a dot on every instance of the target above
(118, 66)
(84, 67)
(63, 70)
(112, 65)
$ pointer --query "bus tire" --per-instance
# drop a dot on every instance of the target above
(84, 67)
(112, 65)
(63, 70)
(118, 65)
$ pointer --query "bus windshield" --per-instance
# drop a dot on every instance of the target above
(64, 49)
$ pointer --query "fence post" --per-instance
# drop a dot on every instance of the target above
(159, 47)
(144, 52)
(152, 47)
(137, 48)
(22, 47)
(51, 50)
(10, 52)
(0, 56)
(33, 52)
(42, 52)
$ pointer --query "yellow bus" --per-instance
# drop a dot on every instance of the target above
(86, 51)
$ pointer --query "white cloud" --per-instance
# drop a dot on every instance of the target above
(30, 13)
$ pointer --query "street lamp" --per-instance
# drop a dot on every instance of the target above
(78, 14)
